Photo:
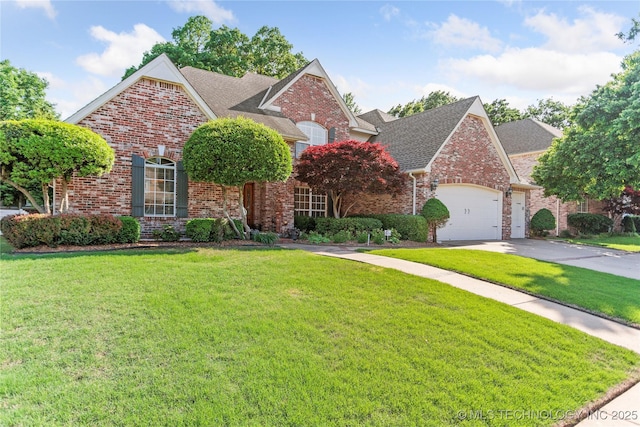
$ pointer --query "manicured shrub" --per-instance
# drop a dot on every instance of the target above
(587, 223)
(355, 225)
(410, 227)
(304, 223)
(167, 234)
(75, 230)
(130, 231)
(436, 214)
(631, 223)
(341, 236)
(542, 221)
(315, 238)
(199, 229)
(104, 229)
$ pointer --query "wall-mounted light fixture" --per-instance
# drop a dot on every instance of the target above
(509, 192)
(161, 150)
(434, 184)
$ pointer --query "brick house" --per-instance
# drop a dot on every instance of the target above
(525, 141)
(147, 118)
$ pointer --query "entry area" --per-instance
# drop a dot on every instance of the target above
(475, 212)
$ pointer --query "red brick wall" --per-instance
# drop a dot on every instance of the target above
(469, 157)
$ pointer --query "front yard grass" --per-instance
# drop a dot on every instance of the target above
(614, 296)
(628, 243)
(274, 337)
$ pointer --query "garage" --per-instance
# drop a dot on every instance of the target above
(475, 212)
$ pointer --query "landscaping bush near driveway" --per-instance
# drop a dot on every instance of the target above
(276, 337)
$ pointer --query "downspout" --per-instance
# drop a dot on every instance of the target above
(414, 192)
(558, 217)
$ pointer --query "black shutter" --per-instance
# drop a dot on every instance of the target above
(137, 186)
(332, 135)
(182, 192)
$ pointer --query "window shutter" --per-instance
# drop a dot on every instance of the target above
(137, 186)
(182, 192)
(332, 135)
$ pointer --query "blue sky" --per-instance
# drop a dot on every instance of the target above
(384, 52)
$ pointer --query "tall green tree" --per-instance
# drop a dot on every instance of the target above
(22, 94)
(351, 103)
(435, 99)
(633, 32)
(599, 154)
(499, 112)
(227, 50)
(41, 151)
(234, 151)
(549, 111)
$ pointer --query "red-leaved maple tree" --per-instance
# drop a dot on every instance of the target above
(347, 168)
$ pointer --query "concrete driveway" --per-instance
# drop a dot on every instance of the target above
(621, 263)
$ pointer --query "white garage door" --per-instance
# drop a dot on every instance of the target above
(475, 213)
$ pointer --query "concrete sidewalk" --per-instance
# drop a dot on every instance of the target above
(613, 332)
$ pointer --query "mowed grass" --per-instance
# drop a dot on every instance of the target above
(276, 338)
(623, 243)
(614, 296)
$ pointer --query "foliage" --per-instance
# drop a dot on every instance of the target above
(130, 231)
(542, 221)
(349, 168)
(499, 112)
(628, 203)
(599, 154)
(435, 99)
(549, 111)
(436, 215)
(354, 225)
(268, 238)
(40, 151)
(351, 103)
(67, 229)
(234, 151)
(227, 50)
(304, 223)
(341, 236)
(633, 32)
(316, 238)
(199, 229)
(23, 94)
(588, 223)
(410, 227)
(168, 233)
(631, 224)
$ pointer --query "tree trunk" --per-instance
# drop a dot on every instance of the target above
(64, 197)
(45, 198)
(226, 213)
(26, 194)
(243, 212)
(337, 203)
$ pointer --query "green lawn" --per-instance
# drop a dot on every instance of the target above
(275, 337)
(623, 243)
(615, 296)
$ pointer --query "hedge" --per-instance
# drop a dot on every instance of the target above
(354, 225)
(410, 227)
(68, 229)
(542, 221)
(587, 223)
(631, 223)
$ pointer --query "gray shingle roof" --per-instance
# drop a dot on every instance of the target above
(377, 117)
(527, 135)
(231, 97)
(414, 140)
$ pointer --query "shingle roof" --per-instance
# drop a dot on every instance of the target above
(414, 140)
(377, 117)
(231, 97)
(527, 135)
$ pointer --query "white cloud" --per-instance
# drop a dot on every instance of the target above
(208, 8)
(539, 70)
(425, 90)
(123, 50)
(38, 4)
(388, 12)
(592, 32)
(462, 32)
(68, 97)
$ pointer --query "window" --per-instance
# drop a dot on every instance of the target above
(159, 187)
(305, 203)
(583, 206)
(317, 136)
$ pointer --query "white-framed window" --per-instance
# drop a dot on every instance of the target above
(583, 206)
(159, 187)
(306, 203)
(317, 135)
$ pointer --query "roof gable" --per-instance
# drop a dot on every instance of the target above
(162, 69)
(377, 117)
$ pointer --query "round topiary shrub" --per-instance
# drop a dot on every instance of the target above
(436, 214)
(542, 221)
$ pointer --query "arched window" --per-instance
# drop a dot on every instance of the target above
(159, 187)
(317, 135)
